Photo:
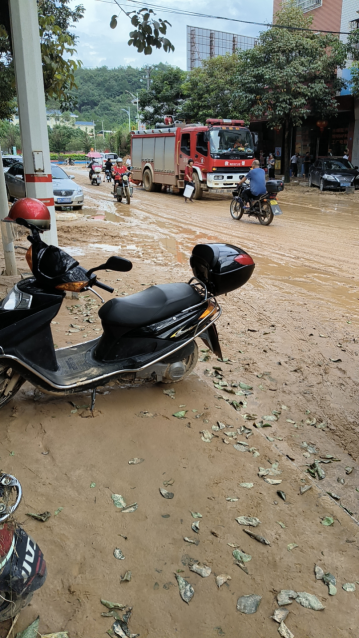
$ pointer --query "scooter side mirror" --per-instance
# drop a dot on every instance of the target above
(118, 264)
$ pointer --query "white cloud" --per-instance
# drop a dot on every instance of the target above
(94, 30)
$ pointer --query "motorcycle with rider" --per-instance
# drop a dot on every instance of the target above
(256, 197)
(121, 175)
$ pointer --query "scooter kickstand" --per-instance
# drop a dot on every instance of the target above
(93, 399)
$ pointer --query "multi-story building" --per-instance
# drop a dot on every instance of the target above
(208, 43)
(338, 16)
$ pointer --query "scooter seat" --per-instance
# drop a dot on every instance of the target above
(148, 306)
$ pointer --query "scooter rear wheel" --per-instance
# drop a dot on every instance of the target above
(265, 216)
(8, 379)
(190, 363)
(236, 209)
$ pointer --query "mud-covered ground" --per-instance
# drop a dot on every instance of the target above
(292, 335)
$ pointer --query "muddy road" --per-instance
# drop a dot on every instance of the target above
(292, 335)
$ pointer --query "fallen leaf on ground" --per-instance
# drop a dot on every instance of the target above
(241, 556)
(118, 501)
(349, 587)
(109, 605)
(129, 508)
(309, 601)
(279, 615)
(181, 414)
(59, 509)
(207, 436)
(247, 485)
(196, 515)
(186, 590)
(31, 631)
(126, 578)
(135, 461)
(145, 414)
(201, 569)
(327, 521)
(248, 604)
(166, 494)
(272, 481)
(221, 579)
(195, 527)
(285, 596)
(256, 537)
(190, 540)
(40, 517)
(284, 631)
(291, 546)
(248, 520)
(118, 554)
(170, 393)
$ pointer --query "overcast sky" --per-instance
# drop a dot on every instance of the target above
(99, 45)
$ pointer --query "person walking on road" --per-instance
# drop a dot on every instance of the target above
(294, 165)
(188, 178)
(307, 163)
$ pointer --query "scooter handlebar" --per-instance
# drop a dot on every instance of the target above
(103, 286)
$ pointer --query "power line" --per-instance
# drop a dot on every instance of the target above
(205, 15)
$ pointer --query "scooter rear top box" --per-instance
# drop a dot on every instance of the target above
(221, 267)
(275, 186)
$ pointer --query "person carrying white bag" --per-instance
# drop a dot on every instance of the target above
(188, 178)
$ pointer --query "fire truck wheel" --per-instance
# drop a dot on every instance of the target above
(148, 184)
(197, 187)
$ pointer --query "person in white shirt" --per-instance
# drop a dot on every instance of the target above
(128, 162)
(294, 165)
(346, 154)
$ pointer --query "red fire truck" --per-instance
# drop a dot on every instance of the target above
(222, 150)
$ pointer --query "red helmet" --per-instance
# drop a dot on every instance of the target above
(32, 210)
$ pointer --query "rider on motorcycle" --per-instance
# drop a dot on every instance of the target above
(117, 173)
(257, 178)
(108, 166)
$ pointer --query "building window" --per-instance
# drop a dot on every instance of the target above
(309, 5)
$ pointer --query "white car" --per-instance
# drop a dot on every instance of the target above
(66, 192)
(9, 160)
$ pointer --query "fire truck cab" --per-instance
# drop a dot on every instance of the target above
(222, 151)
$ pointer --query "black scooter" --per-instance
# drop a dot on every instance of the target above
(147, 337)
(22, 564)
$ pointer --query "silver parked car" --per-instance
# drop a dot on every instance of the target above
(66, 192)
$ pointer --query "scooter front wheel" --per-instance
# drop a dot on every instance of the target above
(189, 363)
(10, 384)
(236, 209)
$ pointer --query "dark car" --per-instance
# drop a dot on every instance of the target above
(333, 173)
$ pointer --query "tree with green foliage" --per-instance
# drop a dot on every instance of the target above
(87, 142)
(148, 32)
(59, 138)
(58, 44)
(353, 53)
(9, 136)
(209, 90)
(165, 96)
(290, 74)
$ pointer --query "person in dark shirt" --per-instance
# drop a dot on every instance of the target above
(108, 165)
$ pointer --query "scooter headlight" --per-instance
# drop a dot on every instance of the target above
(16, 300)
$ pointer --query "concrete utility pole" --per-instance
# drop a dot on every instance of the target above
(129, 117)
(32, 108)
(9, 253)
